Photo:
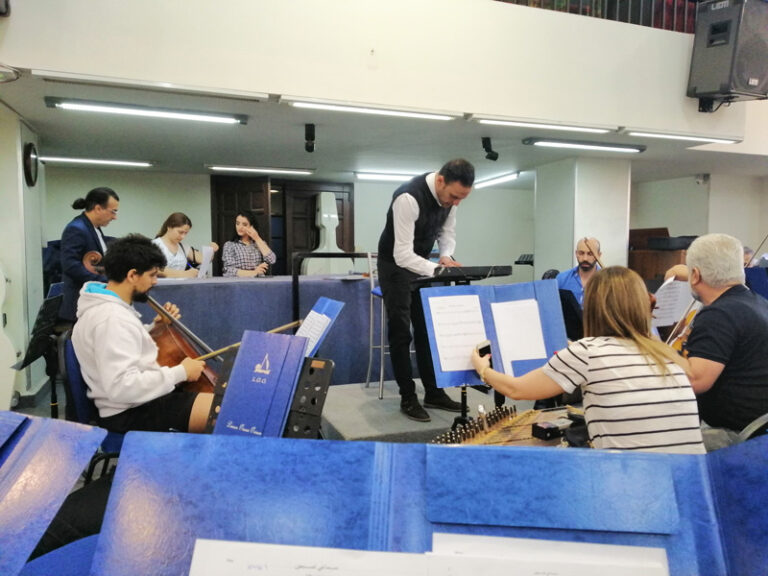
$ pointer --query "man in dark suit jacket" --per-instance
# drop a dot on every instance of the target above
(82, 235)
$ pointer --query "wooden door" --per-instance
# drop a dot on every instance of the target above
(293, 214)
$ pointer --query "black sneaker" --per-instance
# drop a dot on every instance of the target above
(442, 401)
(413, 410)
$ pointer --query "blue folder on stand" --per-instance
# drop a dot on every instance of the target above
(544, 292)
(261, 385)
(706, 511)
(40, 462)
(264, 375)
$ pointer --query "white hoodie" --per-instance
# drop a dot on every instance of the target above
(118, 358)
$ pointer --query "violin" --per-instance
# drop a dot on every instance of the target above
(92, 261)
(678, 337)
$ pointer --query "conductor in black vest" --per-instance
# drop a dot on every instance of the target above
(423, 211)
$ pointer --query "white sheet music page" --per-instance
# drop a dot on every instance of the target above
(204, 270)
(246, 558)
(313, 327)
(672, 300)
(518, 331)
(459, 327)
(531, 557)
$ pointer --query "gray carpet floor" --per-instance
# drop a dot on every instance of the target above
(354, 412)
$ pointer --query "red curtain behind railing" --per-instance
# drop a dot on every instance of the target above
(677, 15)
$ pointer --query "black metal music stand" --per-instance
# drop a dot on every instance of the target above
(464, 419)
(43, 344)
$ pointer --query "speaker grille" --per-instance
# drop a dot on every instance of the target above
(730, 50)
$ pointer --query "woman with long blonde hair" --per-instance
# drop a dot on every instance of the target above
(636, 393)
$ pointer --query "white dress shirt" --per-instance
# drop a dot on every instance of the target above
(405, 212)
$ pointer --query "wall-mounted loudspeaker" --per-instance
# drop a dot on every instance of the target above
(730, 51)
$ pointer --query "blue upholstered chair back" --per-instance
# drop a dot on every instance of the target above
(84, 408)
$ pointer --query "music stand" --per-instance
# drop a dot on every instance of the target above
(43, 344)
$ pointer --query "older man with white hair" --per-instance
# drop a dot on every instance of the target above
(728, 344)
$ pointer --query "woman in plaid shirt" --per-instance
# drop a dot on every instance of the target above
(247, 254)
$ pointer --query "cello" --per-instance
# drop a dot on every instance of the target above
(174, 340)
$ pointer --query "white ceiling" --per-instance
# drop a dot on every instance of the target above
(345, 143)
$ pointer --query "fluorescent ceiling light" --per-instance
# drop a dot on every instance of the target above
(62, 160)
(581, 145)
(497, 180)
(143, 111)
(290, 171)
(384, 176)
(169, 86)
(375, 111)
(562, 127)
(686, 138)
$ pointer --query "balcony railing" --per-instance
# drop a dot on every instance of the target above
(677, 15)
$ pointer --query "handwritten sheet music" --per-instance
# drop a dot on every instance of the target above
(459, 327)
(672, 300)
(452, 555)
(518, 331)
(247, 558)
(204, 270)
(313, 327)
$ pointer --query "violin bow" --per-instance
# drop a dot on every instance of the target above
(674, 333)
(594, 252)
(757, 250)
(237, 344)
(175, 321)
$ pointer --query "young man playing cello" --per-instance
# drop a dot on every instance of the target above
(118, 358)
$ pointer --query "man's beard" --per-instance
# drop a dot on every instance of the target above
(140, 296)
(694, 295)
(586, 265)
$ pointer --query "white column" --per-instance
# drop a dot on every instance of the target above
(20, 254)
(581, 197)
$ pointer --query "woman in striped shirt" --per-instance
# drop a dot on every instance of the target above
(636, 392)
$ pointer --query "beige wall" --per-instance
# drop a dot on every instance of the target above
(146, 199)
(681, 205)
(467, 56)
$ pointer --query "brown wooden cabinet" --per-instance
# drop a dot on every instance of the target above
(652, 264)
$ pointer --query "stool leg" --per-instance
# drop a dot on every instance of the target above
(381, 351)
(370, 341)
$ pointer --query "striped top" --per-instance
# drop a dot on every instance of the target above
(628, 403)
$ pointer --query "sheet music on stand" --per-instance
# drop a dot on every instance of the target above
(312, 328)
(204, 270)
(672, 301)
(316, 324)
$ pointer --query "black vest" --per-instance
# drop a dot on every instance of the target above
(427, 228)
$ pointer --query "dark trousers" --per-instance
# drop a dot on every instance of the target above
(403, 306)
(80, 515)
